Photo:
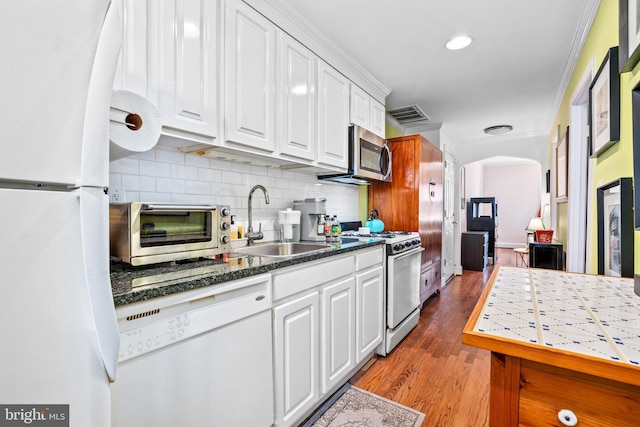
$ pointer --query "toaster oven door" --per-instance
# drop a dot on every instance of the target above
(170, 232)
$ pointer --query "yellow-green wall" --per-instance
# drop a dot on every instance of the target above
(363, 193)
(617, 161)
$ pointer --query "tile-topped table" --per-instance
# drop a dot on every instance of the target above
(559, 341)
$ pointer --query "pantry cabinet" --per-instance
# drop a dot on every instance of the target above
(249, 81)
(413, 201)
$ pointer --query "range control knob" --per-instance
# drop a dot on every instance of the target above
(224, 225)
(398, 247)
(224, 239)
(224, 211)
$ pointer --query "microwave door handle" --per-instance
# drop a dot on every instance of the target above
(150, 207)
(385, 147)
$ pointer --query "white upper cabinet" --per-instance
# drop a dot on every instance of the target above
(366, 112)
(333, 117)
(139, 45)
(360, 107)
(169, 56)
(188, 69)
(378, 118)
(297, 99)
(249, 78)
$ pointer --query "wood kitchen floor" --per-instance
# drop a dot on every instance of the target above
(431, 370)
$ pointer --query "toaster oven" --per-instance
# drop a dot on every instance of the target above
(147, 233)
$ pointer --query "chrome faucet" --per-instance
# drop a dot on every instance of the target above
(251, 236)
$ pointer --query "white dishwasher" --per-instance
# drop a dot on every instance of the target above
(197, 358)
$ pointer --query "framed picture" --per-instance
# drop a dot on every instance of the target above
(629, 34)
(635, 107)
(562, 166)
(615, 228)
(604, 105)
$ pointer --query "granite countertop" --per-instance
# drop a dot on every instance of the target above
(556, 317)
(132, 284)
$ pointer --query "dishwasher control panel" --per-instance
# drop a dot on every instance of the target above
(149, 326)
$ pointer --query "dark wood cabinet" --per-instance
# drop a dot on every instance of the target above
(412, 201)
(474, 250)
(482, 215)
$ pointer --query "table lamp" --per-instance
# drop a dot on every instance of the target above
(535, 224)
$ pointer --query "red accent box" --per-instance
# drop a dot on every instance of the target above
(544, 236)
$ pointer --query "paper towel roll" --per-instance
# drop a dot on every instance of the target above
(134, 125)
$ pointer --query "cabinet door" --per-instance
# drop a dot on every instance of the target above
(249, 78)
(296, 339)
(338, 332)
(297, 99)
(333, 116)
(378, 118)
(369, 312)
(134, 71)
(188, 69)
(360, 107)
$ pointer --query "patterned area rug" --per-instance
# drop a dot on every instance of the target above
(354, 407)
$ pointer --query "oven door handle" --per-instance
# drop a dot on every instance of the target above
(408, 253)
(150, 207)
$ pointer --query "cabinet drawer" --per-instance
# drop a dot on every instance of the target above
(369, 259)
(597, 402)
(289, 282)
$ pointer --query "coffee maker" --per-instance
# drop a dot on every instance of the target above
(311, 211)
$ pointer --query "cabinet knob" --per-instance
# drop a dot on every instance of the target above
(567, 417)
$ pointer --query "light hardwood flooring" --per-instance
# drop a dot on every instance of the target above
(431, 370)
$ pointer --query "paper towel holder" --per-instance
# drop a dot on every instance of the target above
(133, 121)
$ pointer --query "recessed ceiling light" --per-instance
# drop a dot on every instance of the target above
(459, 42)
(498, 130)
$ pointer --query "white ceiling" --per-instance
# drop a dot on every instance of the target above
(515, 72)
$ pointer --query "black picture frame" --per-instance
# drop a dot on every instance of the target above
(629, 34)
(562, 167)
(615, 228)
(635, 107)
(604, 105)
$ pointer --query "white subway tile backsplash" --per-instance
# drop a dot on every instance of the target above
(167, 156)
(158, 169)
(125, 165)
(164, 176)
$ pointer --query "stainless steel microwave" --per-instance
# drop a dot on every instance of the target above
(147, 233)
(369, 159)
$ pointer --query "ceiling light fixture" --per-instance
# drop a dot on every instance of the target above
(498, 130)
(459, 42)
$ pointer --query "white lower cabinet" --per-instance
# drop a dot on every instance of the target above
(369, 311)
(327, 320)
(338, 332)
(296, 361)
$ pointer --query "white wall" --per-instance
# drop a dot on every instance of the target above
(517, 191)
(168, 176)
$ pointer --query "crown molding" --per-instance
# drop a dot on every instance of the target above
(286, 15)
(589, 11)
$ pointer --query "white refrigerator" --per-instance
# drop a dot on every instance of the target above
(59, 337)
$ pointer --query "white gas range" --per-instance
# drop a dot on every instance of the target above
(402, 283)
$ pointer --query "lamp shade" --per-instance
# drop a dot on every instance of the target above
(535, 224)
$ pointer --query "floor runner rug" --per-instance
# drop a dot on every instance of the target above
(354, 407)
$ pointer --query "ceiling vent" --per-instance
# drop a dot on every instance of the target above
(411, 113)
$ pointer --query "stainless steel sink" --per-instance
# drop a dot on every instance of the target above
(277, 249)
